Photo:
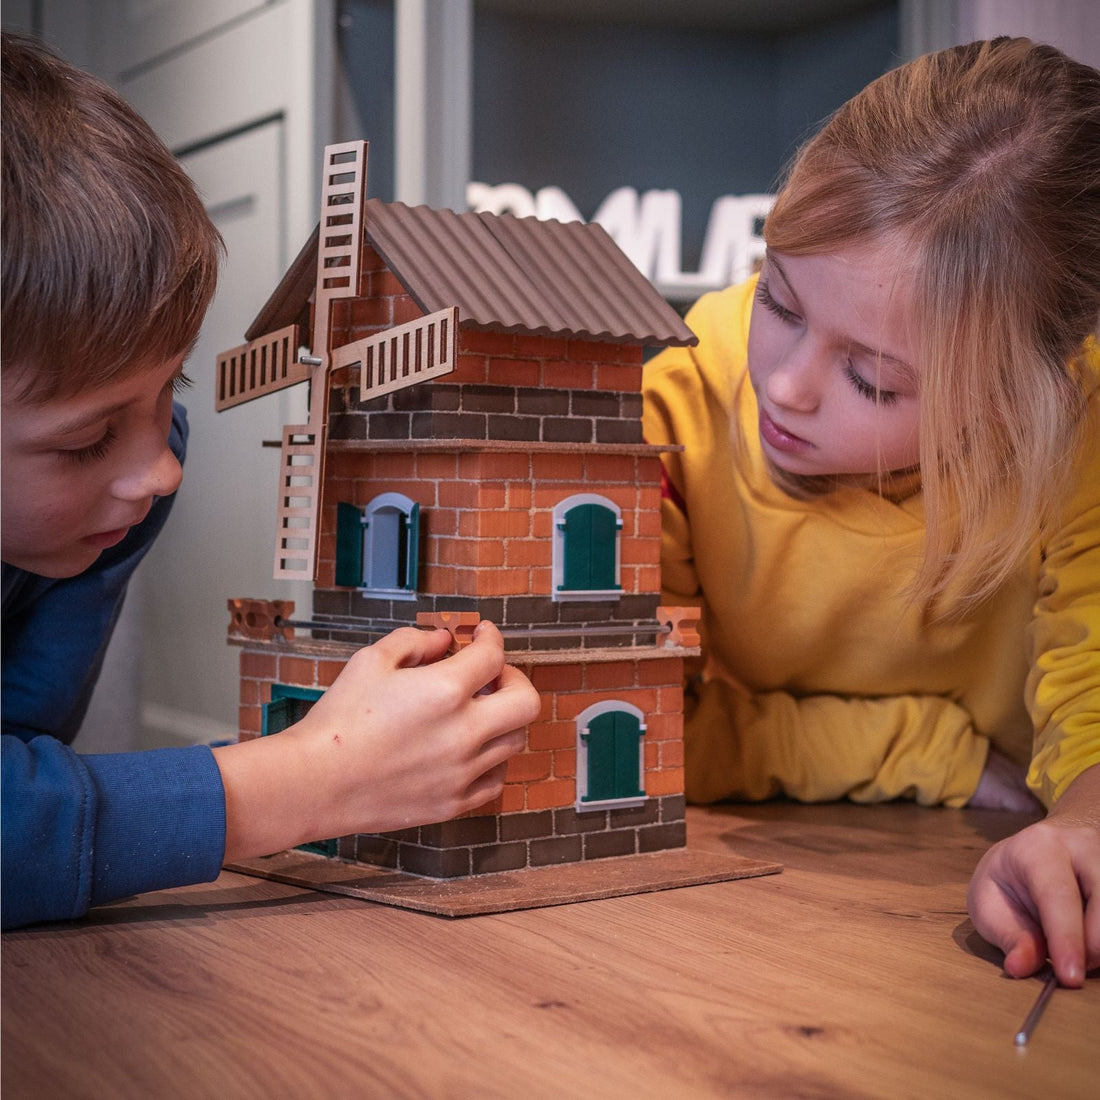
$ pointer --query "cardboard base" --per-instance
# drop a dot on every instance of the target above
(532, 888)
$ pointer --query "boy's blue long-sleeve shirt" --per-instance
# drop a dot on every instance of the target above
(80, 830)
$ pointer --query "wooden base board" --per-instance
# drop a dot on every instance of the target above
(532, 888)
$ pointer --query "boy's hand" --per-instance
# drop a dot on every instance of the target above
(1037, 894)
(402, 738)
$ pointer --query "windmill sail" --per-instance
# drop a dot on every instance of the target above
(403, 355)
(302, 462)
(259, 367)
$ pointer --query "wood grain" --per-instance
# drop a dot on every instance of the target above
(854, 973)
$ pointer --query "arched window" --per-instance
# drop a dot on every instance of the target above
(377, 546)
(586, 553)
(610, 764)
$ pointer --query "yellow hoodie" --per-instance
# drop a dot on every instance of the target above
(820, 681)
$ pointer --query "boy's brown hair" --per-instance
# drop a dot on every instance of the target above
(109, 258)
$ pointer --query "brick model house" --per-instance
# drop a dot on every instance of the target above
(474, 450)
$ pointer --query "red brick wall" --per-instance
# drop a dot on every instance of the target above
(488, 516)
(543, 776)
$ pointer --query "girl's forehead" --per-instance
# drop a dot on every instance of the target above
(862, 296)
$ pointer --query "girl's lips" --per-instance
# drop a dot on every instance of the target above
(779, 438)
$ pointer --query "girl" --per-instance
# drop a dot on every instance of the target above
(888, 504)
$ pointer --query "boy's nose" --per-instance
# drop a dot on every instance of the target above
(159, 477)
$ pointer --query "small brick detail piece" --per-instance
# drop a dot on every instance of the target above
(257, 618)
(459, 624)
(684, 627)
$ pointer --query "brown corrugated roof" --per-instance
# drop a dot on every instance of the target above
(292, 293)
(504, 273)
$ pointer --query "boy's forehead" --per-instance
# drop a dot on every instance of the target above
(72, 410)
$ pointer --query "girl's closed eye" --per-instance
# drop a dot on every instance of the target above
(765, 297)
(867, 389)
(93, 452)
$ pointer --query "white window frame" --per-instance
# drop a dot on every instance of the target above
(383, 500)
(557, 572)
(583, 720)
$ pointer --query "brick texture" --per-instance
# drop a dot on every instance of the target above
(486, 549)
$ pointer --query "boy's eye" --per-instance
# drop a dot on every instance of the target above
(866, 389)
(94, 451)
(765, 298)
(180, 382)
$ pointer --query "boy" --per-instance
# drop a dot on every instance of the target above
(109, 264)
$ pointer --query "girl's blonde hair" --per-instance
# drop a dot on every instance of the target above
(986, 159)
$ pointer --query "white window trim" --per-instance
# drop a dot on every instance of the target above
(583, 720)
(384, 500)
(557, 572)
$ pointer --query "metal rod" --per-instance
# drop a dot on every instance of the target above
(564, 629)
(1032, 1020)
(336, 628)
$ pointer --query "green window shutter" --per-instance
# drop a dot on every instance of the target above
(288, 705)
(577, 535)
(349, 545)
(328, 848)
(613, 742)
(276, 716)
(602, 535)
(590, 533)
(628, 746)
(412, 542)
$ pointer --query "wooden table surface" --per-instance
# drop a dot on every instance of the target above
(854, 973)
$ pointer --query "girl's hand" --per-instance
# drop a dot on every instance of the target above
(405, 736)
(1036, 895)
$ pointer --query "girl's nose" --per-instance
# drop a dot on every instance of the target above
(795, 383)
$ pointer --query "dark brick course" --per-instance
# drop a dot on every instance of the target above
(535, 838)
(439, 410)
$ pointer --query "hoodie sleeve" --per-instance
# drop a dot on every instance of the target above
(81, 830)
(1063, 688)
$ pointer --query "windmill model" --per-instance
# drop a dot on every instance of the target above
(474, 450)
